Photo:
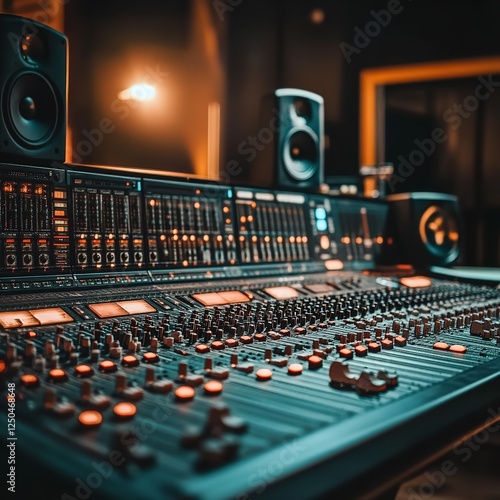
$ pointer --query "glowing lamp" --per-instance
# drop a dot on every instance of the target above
(138, 92)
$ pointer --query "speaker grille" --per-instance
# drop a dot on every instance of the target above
(438, 229)
(32, 109)
(300, 153)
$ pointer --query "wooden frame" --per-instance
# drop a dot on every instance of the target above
(372, 102)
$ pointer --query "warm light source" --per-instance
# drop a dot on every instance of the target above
(138, 92)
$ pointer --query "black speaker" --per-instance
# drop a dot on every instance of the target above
(423, 229)
(289, 146)
(33, 91)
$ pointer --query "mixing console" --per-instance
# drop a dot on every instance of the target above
(179, 339)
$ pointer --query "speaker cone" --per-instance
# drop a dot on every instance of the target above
(32, 109)
(438, 230)
(301, 154)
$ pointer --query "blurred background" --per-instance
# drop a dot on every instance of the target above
(209, 62)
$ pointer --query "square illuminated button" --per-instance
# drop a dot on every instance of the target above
(321, 225)
(320, 213)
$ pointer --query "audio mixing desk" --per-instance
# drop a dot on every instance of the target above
(171, 338)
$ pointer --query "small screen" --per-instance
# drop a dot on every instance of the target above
(221, 298)
(282, 292)
(34, 317)
(124, 308)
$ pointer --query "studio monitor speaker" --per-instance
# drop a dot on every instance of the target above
(290, 145)
(33, 76)
(423, 229)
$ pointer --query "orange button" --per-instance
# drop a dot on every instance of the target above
(295, 369)
(84, 371)
(151, 357)
(345, 353)
(31, 334)
(387, 344)
(231, 342)
(217, 344)
(400, 341)
(57, 375)
(458, 349)
(202, 349)
(90, 418)
(107, 366)
(3, 366)
(129, 361)
(213, 387)
(125, 410)
(246, 339)
(259, 337)
(30, 380)
(184, 393)
(374, 347)
(442, 346)
(361, 350)
(315, 362)
(264, 374)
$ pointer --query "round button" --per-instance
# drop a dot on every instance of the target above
(213, 387)
(295, 369)
(184, 393)
(442, 346)
(3, 366)
(151, 357)
(324, 242)
(90, 418)
(130, 361)
(107, 366)
(84, 371)
(259, 337)
(57, 375)
(125, 410)
(264, 374)
(29, 380)
(316, 362)
(458, 349)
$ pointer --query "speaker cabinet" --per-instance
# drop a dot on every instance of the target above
(423, 229)
(289, 146)
(33, 90)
